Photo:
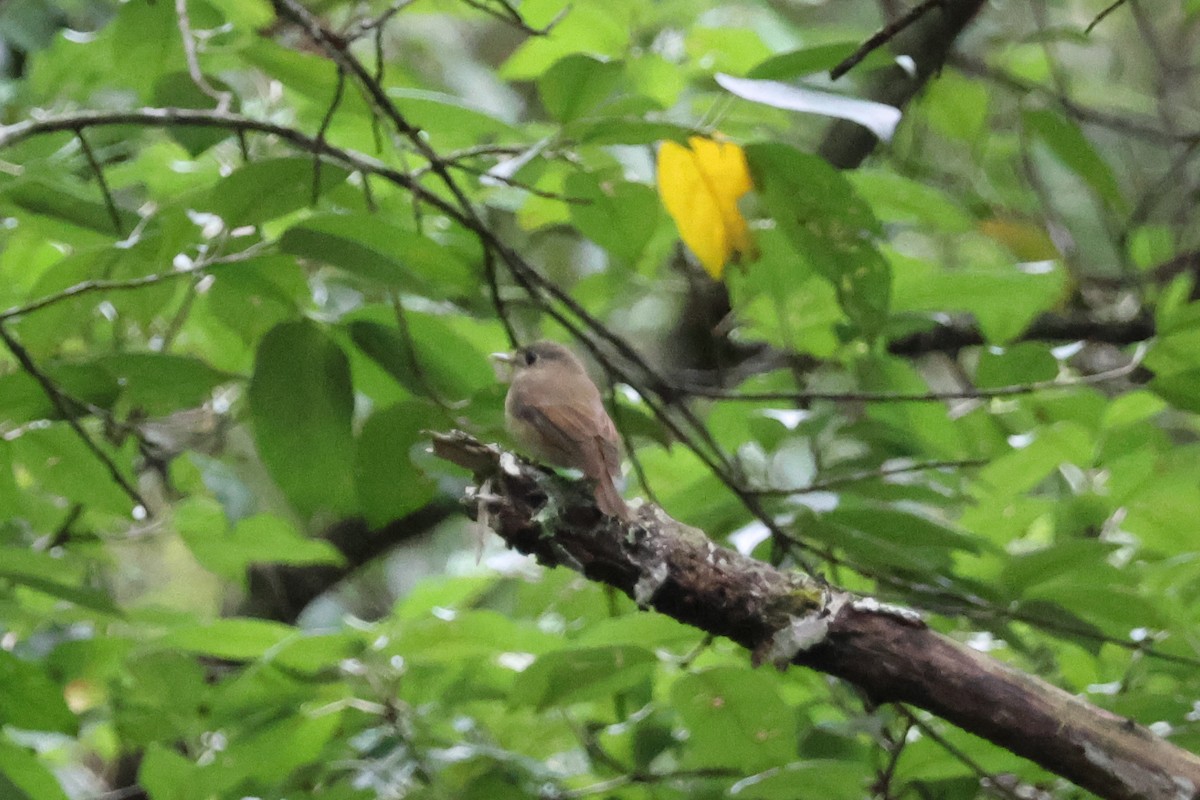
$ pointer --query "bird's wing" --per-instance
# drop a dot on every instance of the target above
(575, 436)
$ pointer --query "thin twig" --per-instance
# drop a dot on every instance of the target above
(630, 450)
(376, 24)
(865, 475)
(509, 15)
(109, 202)
(62, 403)
(489, 270)
(1011, 390)
(882, 37)
(895, 746)
(223, 99)
(1129, 126)
(171, 117)
(322, 130)
(100, 285)
(1100, 17)
(525, 187)
(414, 356)
(175, 325)
(987, 778)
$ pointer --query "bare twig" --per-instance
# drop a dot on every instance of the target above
(630, 450)
(1011, 390)
(1100, 17)
(322, 130)
(508, 14)
(882, 37)
(375, 24)
(109, 202)
(170, 117)
(1131, 126)
(865, 475)
(895, 747)
(62, 404)
(489, 270)
(414, 356)
(100, 285)
(985, 777)
(223, 99)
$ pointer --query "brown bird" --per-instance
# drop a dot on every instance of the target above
(554, 411)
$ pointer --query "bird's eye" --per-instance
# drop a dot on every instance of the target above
(530, 357)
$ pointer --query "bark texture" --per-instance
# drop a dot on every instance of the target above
(787, 617)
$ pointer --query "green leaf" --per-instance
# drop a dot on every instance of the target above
(259, 294)
(56, 461)
(82, 597)
(1180, 389)
(24, 777)
(617, 215)
(166, 775)
(260, 539)
(1022, 363)
(234, 638)
(1076, 153)
(370, 247)
(826, 779)
(159, 383)
(22, 398)
(301, 404)
(260, 758)
(903, 527)
(437, 363)
(897, 199)
(782, 300)
(264, 190)
(829, 225)
(1117, 608)
(1061, 560)
(1132, 408)
(1039, 454)
(957, 106)
(571, 676)
(726, 48)
(577, 84)
(146, 34)
(313, 654)
(68, 204)
(601, 30)
(30, 700)
(448, 120)
(626, 131)
(924, 427)
(1004, 301)
(178, 90)
(166, 701)
(736, 718)
(807, 60)
(469, 635)
(389, 484)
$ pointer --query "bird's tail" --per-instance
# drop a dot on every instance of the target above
(609, 500)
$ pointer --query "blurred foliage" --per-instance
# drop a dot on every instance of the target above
(257, 340)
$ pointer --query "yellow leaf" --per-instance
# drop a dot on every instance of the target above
(1026, 240)
(700, 185)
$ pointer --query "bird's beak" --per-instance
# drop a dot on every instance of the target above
(502, 365)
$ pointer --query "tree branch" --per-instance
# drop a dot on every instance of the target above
(882, 37)
(62, 403)
(927, 42)
(792, 618)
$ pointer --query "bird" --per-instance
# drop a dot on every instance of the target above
(553, 410)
